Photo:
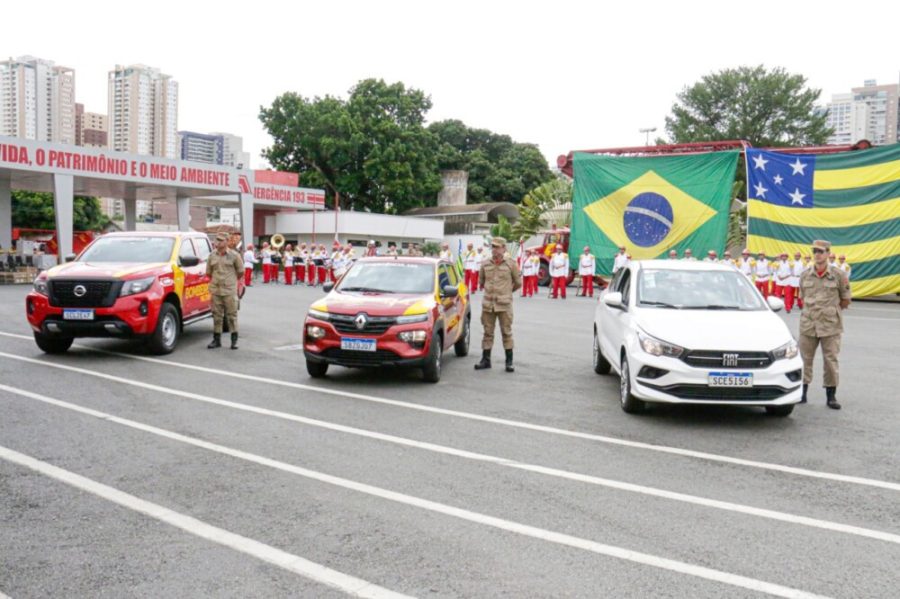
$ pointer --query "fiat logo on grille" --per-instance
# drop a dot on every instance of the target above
(729, 359)
(79, 290)
(361, 321)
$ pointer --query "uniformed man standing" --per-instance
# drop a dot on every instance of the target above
(825, 290)
(501, 279)
(224, 267)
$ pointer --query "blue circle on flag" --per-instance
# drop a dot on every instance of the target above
(648, 219)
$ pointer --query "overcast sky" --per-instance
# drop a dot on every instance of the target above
(563, 75)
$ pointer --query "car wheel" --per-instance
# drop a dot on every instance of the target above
(168, 329)
(780, 411)
(630, 403)
(52, 345)
(601, 364)
(316, 370)
(461, 347)
(431, 372)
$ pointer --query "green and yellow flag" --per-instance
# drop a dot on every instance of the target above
(650, 205)
(851, 199)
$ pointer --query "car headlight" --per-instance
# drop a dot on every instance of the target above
(412, 318)
(787, 351)
(40, 286)
(136, 286)
(656, 347)
(314, 332)
(318, 314)
(413, 337)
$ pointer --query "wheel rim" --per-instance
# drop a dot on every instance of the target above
(468, 332)
(596, 354)
(623, 383)
(168, 330)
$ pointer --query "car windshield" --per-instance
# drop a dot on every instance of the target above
(129, 249)
(389, 277)
(697, 290)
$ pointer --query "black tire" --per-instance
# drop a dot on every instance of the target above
(168, 330)
(601, 364)
(53, 345)
(780, 411)
(629, 402)
(461, 347)
(316, 370)
(431, 371)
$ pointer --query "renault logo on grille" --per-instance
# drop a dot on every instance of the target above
(79, 290)
(729, 359)
(361, 321)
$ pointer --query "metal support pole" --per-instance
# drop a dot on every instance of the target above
(64, 208)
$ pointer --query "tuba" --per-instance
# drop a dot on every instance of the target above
(277, 242)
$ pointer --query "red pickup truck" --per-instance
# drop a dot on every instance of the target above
(125, 285)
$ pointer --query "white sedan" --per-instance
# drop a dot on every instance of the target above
(695, 333)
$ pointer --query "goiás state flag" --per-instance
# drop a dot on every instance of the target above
(851, 199)
(650, 205)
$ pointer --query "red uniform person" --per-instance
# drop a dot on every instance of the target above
(266, 254)
(471, 266)
(781, 279)
(797, 268)
(288, 265)
(300, 263)
(321, 270)
(249, 261)
(586, 268)
(559, 271)
(763, 272)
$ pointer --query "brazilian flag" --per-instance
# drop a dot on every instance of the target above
(650, 205)
(851, 199)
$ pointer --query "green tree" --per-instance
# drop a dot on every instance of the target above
(768, 108)
(500, 170)
(547, 196)
(372, 149)
(32, 210)
(503, 229)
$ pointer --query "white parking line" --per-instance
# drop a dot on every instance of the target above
(2, 596)
(713, 457)
(402, 498)
(475, 456)
(287, 561)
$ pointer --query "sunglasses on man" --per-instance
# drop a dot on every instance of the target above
(818, 251)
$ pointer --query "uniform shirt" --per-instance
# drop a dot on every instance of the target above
(783, 272)
(267, 256)
(501, 279)
(822, 295)
(559, 265)
(746, 265)
(303, 256)
(289, 259)
(762, 270)
(446, 255)
(249, 259)
(224, 272)
(845, 268)
(586, 264)
(620, 261)
(797, 269)
(469, 262)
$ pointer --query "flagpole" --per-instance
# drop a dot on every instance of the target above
(337, 208)
(314, 223)
(747, 188)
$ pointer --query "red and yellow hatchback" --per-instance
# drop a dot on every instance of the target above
(389, 311)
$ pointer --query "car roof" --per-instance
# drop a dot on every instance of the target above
(407, 259)
(683, 265)
(171, 234)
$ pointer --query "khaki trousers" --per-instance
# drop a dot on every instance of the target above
(831, 347)
(489, 320)
(225, 307)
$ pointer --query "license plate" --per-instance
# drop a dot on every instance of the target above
(354, 344)
(730, 379)
(78, 315)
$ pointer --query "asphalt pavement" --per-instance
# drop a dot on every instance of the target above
(233, 474)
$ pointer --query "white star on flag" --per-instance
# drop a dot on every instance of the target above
(778, 179)
(797, 197)
(760, 191)
(798, 167)
(760, 162)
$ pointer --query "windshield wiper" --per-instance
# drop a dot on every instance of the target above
(662, 304)
(365, 289)
(713, 307)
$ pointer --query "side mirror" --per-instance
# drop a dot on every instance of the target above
(70, 258)
(449, 291)
(189, 261)
(327, 287)
(776, 303)
(613, 300)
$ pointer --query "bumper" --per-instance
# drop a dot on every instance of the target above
(776, 385)
(390, 350)
(122, 319)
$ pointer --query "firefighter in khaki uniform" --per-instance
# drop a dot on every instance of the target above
(501, 279)
(224, 267)
(825, 290)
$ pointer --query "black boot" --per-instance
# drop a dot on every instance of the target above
(830, 393)
(509, 363)
(485, 360)
(234, 338)
(216, 342)
(805, 388)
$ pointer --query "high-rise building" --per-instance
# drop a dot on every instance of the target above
(91, 128)
(867, 112)
(37, 100)
(233, 150)
(143, 111)
(200, 147)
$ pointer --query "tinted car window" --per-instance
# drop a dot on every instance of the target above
(129, 249)
(389, 277)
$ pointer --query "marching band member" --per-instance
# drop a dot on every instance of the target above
(266, 262)
(482, 258)
(586, 268)
(336, 252)
(689, 255)
(446, 254)
(844, 266)
(763, 272)
(781, 279)
(371, 248)
(249, 261)
(726, 259)
(470, 265)
(619, 261)
(530, 267)
(559, 271)
(321, 267)
(673, 255)
(797, 269)
(288, 265)
(711, 256)
(746, 264)
(832, 259)
(339, 264)
(392, 250)
(535, 271)
(300, 263)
